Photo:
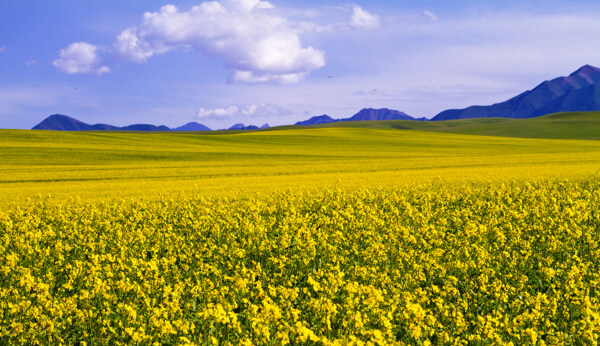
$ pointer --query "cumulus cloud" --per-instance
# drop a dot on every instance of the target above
(251, 40)
(262, 109)
(80, 57)
(255, 41)
(363, 19)
(219, 113)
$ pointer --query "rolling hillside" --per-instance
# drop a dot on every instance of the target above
(109, 165)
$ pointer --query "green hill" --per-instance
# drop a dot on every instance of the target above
(578, 125)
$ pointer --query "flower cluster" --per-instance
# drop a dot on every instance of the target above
(483, 264)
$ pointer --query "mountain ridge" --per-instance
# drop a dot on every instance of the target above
(316, 120)
(60, 122)
(562, 94)
(240, 126)
(365, 114)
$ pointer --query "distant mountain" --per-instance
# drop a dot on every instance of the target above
(265, 126)
(59, 122)
(577, 92)
(193, 126)
(379, 114)
(364, 114)
(240, 126)
(319, 119)
(581, 100)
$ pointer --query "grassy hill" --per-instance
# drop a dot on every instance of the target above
(107, 165)
(578, 125)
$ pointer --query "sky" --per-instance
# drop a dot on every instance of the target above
(277, 62)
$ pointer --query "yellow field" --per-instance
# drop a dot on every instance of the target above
(326, 236)
(107, 166)
(499, 264)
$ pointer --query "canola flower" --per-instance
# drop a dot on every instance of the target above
(496, 264)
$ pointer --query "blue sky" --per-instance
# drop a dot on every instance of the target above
(277, 62)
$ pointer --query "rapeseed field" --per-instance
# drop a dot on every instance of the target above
(101, 166)
(507, 263)
(313, 236)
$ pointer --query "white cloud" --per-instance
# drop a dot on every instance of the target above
(251, 40)
(430, 14)
(363, 19)
(262, 110)
(80, 57)
(31, 62)
(255, 41)
(218, 113)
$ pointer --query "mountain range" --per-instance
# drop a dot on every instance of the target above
(580, 91)
(61, 122)
(240, 126)
(365, 114)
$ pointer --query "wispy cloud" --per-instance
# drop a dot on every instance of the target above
(430, 14)
(2, 49)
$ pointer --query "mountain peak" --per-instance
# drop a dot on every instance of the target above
(585, 70)
(192, 126)
(60, 117)
(317, 119)
(365, 114)
(379, 114)
(240, 126)
(61, 122)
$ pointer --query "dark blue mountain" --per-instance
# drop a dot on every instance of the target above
(59, 122)
(193, 126)
(319, 119)
(240, 126)
(366, 114)
(577, 92)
